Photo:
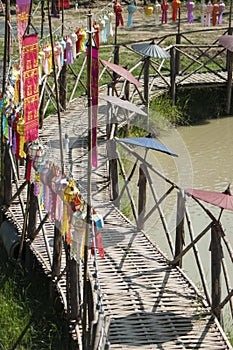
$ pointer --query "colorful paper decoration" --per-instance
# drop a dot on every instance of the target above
(190, 5)
(118, 12)
(175, 8)
(209, 10)
(164, 7)
(221, 9)
(202, 8)
(131, 10)
(149, 9)
(215, 12)
(96, 34)
(66, 4)
(157, 11)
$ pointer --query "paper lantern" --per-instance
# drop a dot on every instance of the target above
(149, 9)
(70, 192)
(36, 151)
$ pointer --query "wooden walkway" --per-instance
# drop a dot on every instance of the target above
(151, 305)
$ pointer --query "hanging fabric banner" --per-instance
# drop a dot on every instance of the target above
(22, 12)
(94, 93)
(30, 86)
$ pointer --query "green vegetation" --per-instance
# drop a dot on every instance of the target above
(27, 320)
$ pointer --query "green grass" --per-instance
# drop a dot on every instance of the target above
(27, 317)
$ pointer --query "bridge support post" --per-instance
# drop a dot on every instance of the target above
(180, 226)
(177, 53)
(229, 81)
(141, 197)
(116, 59)
(57, 250)
(112, 157)
(216, 259)
(32, 215)
(7, 176)
(173, 75)
(146, 88)
(113, 171)
(63, 86)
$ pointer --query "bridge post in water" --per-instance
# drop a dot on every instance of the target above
(141, 197)
(229, 81)
(180, 226)
(216, 259)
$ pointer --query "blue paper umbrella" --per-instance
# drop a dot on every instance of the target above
(148, 142)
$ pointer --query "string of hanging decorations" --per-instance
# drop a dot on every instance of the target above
(211, 12)
(58, 193)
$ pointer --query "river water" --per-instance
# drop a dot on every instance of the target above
(205, 161)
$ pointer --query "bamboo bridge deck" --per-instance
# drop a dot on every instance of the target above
(151, 305)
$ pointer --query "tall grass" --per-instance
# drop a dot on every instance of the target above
(27, 319)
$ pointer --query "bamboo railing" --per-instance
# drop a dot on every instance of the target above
(220, 247)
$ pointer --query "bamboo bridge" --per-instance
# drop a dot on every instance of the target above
(139, 298)
(135, 296)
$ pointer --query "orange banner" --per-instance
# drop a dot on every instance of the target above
(30, 86)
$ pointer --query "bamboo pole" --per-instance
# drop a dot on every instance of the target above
(126, 182)
(32, 216)
(180, 234)
(216, 257)
(160, 200)
(198, 260)
(5, 60)
(23, 234)
(89, 171)
(162, 217)
(141, 197)
(229, 82)
(191, 245)
(56, 93)
(57, 234)
(227, 281)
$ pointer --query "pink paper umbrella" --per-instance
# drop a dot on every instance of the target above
(227, 42)
(122, 72)
(222, 200)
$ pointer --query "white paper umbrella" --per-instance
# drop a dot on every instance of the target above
(227, 42)
(151, 50)
(122, 103)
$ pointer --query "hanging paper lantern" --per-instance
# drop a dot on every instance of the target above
(20, 126)
(70, 192)
(37, 183)
(149, 9)
(98, 220)
(111, 17)
(36, 151)
(131, 10)
(20, 131)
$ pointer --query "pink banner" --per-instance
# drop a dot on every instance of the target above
(94, 93)
(30, 86)
(22, 12)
